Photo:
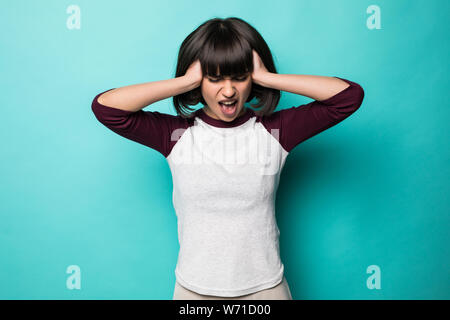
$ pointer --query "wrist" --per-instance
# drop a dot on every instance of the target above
(191, 83)
(261, 78)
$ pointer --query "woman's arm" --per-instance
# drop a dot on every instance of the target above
(316, 87)
(334, 100)
(120, 110)
(300, 123)
(137, 96)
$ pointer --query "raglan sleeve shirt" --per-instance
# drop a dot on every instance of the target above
(228, 248)
(296, 124)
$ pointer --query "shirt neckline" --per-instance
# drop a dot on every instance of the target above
(225, 124)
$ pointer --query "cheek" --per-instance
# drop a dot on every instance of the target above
(248, 88)
(204, 89)
(208, 93)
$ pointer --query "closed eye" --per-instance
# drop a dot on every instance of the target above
(238, 79)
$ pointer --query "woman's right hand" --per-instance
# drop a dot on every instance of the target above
(194, 73)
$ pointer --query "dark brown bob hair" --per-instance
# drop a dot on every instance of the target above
(225, 44)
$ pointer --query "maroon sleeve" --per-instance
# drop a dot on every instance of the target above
(297, 124)
(150, 128)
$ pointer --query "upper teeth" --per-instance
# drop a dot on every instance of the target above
(229, 102)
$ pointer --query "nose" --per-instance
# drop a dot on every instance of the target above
(228, 91)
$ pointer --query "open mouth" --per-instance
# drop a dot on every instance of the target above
(228, 109)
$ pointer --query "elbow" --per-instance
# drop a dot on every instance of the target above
(348, 100)
(357, 97)
(96, 109)
(101, 111)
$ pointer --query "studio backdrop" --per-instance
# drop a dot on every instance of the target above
(362, 208)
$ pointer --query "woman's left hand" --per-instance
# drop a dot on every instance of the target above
(258, 67)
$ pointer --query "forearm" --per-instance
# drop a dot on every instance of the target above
(312, 86)
(137, 96)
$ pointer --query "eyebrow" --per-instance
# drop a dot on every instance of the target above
(237, 76)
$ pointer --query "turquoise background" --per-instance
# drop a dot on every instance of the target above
(373, 190)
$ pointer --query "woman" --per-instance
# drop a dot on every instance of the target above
(226, 158)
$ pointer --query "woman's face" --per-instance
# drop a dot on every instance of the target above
(216, 89)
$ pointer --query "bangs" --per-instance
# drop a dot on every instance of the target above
(225, 55)
(224, 48)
